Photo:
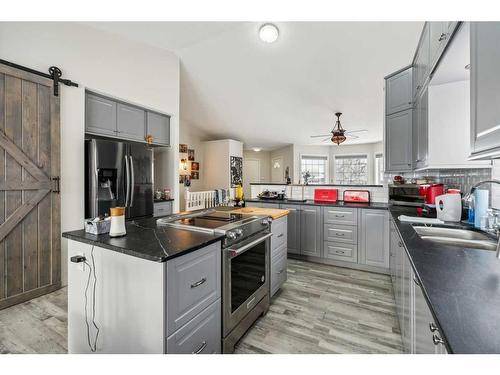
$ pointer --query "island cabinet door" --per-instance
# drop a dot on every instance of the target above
(293, 228)
(310, 231)
(193, 283)
(374, 238)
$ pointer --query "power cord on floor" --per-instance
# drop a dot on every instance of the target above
(92, 345)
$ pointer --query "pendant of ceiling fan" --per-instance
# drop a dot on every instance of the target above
(338, 134)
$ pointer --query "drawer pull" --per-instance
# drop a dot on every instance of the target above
(339, 215)
(339, 234)
(198, 283)
(280, 271)
(437, 340)
(340, 252)
(280, 235)
(201, 348)
(250, 302)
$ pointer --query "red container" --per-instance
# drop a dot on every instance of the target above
(356, 196)
(430, 192)
(325, 195)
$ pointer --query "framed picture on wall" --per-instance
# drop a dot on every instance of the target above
(183, 148)
(191, 154)
(236, 170)
(195, 166)
(195, 175)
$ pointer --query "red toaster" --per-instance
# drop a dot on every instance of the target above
(325, 195)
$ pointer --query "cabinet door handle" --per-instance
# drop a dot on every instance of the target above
(416, 281)
(280, 271)
(442, 37)
(437, 340)
(201, 348)
(280, 235)
(198, 283)
(433, 327)
(400, 244)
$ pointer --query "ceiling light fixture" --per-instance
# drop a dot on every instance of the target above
(268, 33)
(256, 149)
(338, 132)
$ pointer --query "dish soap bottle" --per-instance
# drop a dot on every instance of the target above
(470, 210)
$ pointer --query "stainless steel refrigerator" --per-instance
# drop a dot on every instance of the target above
(118, 174)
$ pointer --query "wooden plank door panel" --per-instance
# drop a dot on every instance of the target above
(29, 210)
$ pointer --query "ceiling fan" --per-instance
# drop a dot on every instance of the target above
(338, 133)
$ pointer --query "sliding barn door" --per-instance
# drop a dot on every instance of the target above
(30, 245)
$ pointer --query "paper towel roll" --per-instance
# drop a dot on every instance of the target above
(481, 203)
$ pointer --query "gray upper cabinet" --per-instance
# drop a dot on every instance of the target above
(440, 33)
(398, 92)
(130, 122)
(420, 130)
(310, 230)
(158, 126)
(293, 228)
(374, 238)
(398, 142)
(485, 88)
(100, 115)
(421, 63)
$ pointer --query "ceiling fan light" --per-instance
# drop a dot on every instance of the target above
(338, 138)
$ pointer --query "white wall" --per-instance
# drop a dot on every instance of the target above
(217, 162)
(264, 157)
(105, 63)
(287, 153)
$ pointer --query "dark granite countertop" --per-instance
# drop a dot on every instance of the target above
(145, 240)
(462, 288)
(375, 205)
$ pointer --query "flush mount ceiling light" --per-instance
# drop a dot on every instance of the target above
(256, 149)
(268, 33)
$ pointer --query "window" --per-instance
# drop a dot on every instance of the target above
(379, 169)
(317, 166)
(351, 169)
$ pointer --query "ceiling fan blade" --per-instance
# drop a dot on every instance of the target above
(319, 136)
(351, 136)
(327, 139)
(356, 131)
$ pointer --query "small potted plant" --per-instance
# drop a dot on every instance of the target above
(306, 176)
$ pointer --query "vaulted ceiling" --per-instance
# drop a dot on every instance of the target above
(233, 85)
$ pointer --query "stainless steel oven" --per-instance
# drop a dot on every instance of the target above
(245, 286)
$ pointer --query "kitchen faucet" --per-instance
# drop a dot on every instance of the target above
(496, 225)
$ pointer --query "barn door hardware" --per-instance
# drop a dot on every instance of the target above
(55, 74)
(56, 184)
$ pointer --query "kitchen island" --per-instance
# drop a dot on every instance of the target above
(157, 290)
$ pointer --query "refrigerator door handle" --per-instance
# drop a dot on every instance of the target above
(132, 184)
(127, 183)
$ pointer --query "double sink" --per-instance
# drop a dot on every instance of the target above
(457, 237)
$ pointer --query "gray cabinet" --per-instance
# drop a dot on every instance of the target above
(440, 33)
(421, 130)
(293, 228)
(398, 141)
(130, 122)
(423, 319)
(193, 283)
(485, 88)
(421, 62)
(374, 238)
(340, 233)
(345, 252)
(340, 215)
(398, 91)
(310, 231)
(278, 258)
(158, 127)
(100, 115)
(202, 335)
(162, 208)
(407, 304)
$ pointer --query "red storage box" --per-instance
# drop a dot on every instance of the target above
(325, 195)
(356, 196)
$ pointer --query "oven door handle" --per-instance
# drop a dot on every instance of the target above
(235, 252)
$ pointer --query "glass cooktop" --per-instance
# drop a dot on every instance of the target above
(211, 220)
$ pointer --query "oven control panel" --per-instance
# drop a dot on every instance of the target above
(246, 230)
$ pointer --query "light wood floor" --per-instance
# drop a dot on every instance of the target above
(320, 309)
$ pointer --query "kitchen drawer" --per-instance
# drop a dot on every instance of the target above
(278, 271)
(276, 253)
(340, 215)
(341, 233)
(201, 335)
(279, 230)
(162, 209)
(193, 283)
(341, 251)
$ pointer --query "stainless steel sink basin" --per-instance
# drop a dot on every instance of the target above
(456, 237)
